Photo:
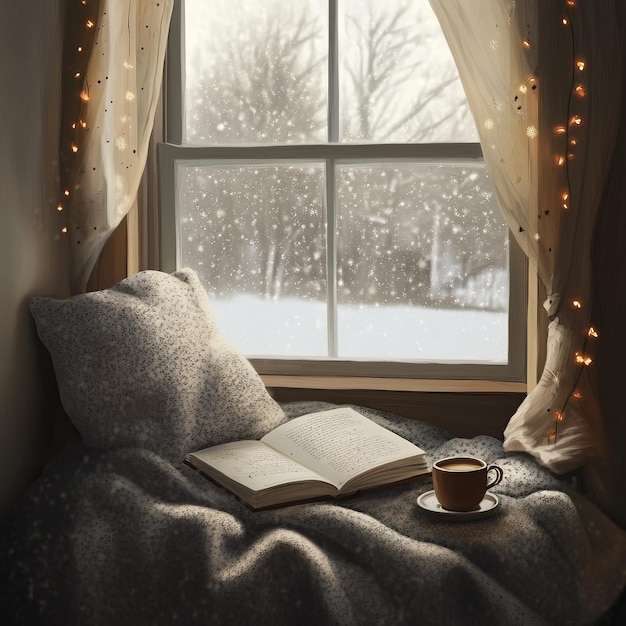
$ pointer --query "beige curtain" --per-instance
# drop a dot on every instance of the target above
(539, 79)
(114, 63)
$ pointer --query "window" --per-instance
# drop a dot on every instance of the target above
(323, 176)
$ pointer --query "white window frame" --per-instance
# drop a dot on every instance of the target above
(314, 372)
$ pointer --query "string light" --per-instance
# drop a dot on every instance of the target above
(578, 90)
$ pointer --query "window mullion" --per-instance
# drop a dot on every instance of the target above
(331, 258)
(333, 73)
(331, 195)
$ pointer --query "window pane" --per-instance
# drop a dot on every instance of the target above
(255, 235)
(398, 80)
(255, 71)
(422, 264)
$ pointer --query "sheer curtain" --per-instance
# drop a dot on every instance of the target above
(114, 62)
(539, 79)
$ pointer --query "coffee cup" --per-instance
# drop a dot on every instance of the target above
(461, 482)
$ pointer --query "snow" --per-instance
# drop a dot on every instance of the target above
(261, 327)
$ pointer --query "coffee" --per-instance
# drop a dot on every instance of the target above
(461, 466)
(461, 482)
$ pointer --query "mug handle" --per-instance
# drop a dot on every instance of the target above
(498, 478)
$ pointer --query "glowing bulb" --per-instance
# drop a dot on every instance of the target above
(558, 416)
(84, 96)
(592, 332)
(573, 142)
(66, 192)
(559, 130)
(580, 91)
(90, 24)
(64, 229)
(571, 3)
(80, 48)
(577, 395)
(525, 44)
(83, 124)
(551, 435)
(77, 75)
(560, 160)
(583, 359)
(60, 208)
(74, 148)
(564, 21)
(531, 132)
(580, 65)
(576, 119)
(577, 304)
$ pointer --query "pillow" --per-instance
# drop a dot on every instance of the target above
(143, 364)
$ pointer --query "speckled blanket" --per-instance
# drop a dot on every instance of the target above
(125, 538)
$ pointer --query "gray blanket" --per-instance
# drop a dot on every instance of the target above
(124, 537)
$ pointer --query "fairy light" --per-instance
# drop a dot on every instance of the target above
(83, 98)
(581, 357)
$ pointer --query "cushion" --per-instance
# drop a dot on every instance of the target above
(143, 364)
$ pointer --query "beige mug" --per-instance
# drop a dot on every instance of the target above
(461, 482)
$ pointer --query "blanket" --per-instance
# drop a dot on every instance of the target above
(124, 537)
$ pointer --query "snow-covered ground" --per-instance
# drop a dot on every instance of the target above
(291, 327)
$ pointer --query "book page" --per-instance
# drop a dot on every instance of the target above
(253, 464)
(339, 443)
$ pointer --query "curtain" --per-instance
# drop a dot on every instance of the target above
(114, 56)
(539, 78)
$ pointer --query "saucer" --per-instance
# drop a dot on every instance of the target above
(428, 502)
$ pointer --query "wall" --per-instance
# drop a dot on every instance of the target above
(33, 252)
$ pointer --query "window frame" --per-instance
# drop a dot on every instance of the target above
(172, 151)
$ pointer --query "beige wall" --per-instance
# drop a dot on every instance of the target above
(33, 253)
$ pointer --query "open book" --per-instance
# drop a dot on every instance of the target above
(316, 456)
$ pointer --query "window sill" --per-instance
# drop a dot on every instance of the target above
(393, 384)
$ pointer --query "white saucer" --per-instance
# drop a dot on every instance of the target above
(429, 503)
